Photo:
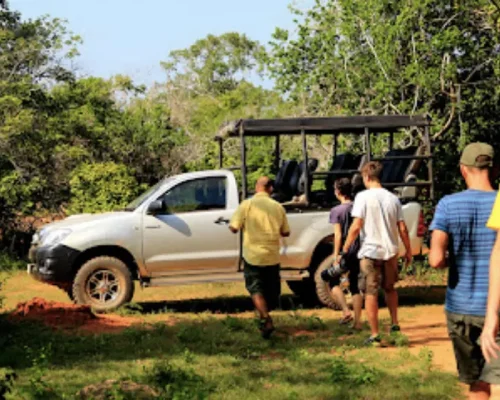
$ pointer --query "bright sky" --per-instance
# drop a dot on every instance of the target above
(132, 37)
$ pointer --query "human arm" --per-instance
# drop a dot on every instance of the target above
(439, 248)
(353, 234)
(440, 240)
(285, 227)
(238, 219)
(359, 215)
(337, 239)
(405, 237)
(490, 330)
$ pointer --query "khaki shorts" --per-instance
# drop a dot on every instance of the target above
(379, 273)
(465, 332)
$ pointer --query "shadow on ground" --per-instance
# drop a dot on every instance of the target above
(408, 296)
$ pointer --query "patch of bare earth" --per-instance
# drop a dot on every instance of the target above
(69, 317)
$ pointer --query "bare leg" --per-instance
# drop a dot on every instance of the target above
(372, 312)
(260, 304)
(391, 298)
(357, 305)
(480, 391)
(338, 294)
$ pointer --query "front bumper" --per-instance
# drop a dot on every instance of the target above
(53, 264)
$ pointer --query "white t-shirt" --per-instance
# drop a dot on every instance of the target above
(381, 211)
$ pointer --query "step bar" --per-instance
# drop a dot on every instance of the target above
(286, 275)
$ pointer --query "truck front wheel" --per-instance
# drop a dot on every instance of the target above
(104, 283)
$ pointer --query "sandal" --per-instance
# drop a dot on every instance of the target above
(345, 320)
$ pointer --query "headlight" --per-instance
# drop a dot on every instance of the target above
(54, 237)
(35, 239)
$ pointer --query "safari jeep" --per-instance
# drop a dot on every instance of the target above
(177, 232)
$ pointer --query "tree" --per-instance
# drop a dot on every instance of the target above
(406, 57)
(214, 64)
(207, 86)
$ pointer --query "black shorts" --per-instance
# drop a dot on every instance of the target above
(465, 332)
(264, 280)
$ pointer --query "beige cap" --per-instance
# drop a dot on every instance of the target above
(473, 151)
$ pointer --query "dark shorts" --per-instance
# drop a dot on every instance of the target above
(465, 331)
(379, 273)
(264, 280)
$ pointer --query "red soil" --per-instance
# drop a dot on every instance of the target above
(69, 316)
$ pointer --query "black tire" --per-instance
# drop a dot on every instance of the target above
(324, 289)
(104, 283)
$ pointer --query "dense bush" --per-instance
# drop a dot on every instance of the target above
(101, 187)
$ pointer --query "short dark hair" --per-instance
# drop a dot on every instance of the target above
(372, 170)
(486, 162)
(344, 187)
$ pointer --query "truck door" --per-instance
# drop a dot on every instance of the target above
(192, 235)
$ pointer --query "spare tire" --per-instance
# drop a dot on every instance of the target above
(324, 289)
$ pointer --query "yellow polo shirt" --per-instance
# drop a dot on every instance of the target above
(494, 221)
(262, 220)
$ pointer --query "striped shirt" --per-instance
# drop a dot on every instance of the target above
(463, 216)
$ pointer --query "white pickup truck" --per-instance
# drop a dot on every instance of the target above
(175, 233)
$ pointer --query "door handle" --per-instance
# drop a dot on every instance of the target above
(153, 227)
(221, 221)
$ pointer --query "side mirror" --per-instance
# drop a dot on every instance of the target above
(156, 207)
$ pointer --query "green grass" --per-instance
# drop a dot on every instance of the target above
(220, 358)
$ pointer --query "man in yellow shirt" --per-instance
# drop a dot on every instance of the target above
(263, 222)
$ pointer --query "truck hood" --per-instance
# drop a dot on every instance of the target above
(78, 221)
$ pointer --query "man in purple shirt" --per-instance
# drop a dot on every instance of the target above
(341, 219)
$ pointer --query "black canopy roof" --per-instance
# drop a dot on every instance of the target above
(321, 125)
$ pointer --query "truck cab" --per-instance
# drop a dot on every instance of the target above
(177, 233)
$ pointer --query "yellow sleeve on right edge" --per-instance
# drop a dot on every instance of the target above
(494, 221)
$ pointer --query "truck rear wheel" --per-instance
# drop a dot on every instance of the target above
(305, 290)
(104, 283)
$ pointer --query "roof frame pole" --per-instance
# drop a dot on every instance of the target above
(391, 141)
(430, 166)
(367, 145)
(335, 145)
(221, 153)
(306, 163)
(244, 183)
(277, 154)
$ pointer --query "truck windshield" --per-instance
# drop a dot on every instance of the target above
(143, 197)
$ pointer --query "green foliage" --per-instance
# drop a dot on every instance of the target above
(101, 187)
(406, 57)
(213, 63)
(7, 380)
(177, 383)
(219, 362)
(8, 263)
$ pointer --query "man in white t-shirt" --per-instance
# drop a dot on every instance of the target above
(378, 217)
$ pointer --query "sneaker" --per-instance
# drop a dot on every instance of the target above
(374, 341)
(395, 329)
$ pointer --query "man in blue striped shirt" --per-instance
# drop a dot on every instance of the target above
(461, 241)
